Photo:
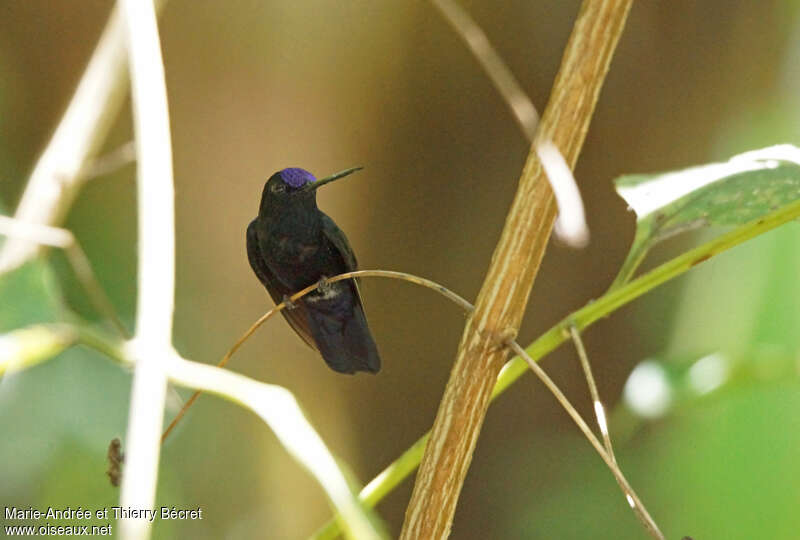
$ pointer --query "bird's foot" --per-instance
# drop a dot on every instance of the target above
(323, 285)
(287, 301)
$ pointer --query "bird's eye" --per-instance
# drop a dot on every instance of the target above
(278, 187)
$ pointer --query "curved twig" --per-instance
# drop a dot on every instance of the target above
(466, 306)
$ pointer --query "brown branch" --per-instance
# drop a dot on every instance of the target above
(504, 294)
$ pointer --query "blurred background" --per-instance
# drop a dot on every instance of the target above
(256, 86)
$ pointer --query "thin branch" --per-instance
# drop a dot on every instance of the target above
(503, 79)
(571, 223)
(599, 410)
(112, 161)
(64, 239)
(466, 306)
(633, 499)
(514, 265)
(59, 172)
(97, 295)
(152, 344)
(602, 423)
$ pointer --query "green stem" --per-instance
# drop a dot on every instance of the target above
(104, 344)
(641, 245)
(401, 468)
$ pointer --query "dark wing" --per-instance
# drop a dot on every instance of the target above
(335, 235)
(347, 345)
(297, 317)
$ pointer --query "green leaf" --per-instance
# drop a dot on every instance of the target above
(734, 192)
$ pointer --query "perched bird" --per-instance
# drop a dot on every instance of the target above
(291, 245)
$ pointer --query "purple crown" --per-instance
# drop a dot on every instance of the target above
(297, 177)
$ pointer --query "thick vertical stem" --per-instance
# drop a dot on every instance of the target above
(152, 343)
(504, 294)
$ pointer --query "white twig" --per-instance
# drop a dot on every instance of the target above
(62, 238)
(58, 174)
(151, 345)
(571, 225)
(34, 233)
(278, 408)
(110, 162)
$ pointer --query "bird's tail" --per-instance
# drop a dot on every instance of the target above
(344, 341)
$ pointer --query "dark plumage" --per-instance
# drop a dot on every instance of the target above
(292, 244)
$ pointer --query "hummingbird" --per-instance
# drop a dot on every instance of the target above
(292, 244)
